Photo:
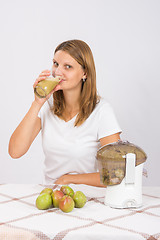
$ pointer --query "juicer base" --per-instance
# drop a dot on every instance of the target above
(131, 203)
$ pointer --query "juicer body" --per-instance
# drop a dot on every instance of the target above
(127, 194)
(121, 167)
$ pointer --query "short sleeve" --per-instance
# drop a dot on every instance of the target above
(43, 111)
(107, 124)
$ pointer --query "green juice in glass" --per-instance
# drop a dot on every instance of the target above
(44, 87)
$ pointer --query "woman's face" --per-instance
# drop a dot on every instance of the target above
(68, 69)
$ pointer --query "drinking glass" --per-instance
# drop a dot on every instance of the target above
(44, 87)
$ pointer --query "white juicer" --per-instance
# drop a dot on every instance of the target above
(121, 167)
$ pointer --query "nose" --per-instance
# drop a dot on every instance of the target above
(58, 71)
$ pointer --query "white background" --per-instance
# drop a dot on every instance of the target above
(124, 36)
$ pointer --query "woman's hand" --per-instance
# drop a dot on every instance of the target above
(42, 76)
(92, 179)
(64, 179)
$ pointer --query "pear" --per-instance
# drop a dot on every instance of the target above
(66, 204)
(47, 190)
(67, 190)
(44, 201)
(79, 199)
(56, 196)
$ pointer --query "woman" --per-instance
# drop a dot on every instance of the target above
(78, 124)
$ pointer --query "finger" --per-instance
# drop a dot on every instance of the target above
(57, 182)
(44, 74)
(58, 87)
(41, 78)
(44, 71)
(38, 80)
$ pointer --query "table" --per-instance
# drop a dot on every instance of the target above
(20, 219)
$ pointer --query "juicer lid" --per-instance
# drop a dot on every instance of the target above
(117, 152)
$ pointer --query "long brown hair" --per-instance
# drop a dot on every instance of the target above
(82, 53)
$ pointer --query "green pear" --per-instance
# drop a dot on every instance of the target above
(47, 190)
(44, 201)
(56, 196)
(79, 199)
(66, 204)
(67, 190)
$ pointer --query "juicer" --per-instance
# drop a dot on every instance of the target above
(121, 166)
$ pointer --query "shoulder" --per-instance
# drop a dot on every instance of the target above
(107, 121)
(102, 110)
(102, 106)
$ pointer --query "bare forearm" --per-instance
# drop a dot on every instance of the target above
(92, 179)
(25, 133)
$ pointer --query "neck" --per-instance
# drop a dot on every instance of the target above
(71, 100)
(71, 104)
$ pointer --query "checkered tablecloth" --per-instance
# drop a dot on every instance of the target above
(20, 219)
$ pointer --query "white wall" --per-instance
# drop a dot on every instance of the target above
(124, 36)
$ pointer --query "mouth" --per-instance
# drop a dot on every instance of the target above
(61, 79)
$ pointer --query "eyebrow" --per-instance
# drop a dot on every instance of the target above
(65, 63)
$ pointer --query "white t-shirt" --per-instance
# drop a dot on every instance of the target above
(70, 149)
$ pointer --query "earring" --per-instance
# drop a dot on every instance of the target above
(84, 79)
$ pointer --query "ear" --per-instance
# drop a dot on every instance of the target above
(85, 76)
